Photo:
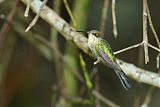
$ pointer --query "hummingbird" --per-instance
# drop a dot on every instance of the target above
(102, 51)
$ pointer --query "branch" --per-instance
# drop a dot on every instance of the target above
(70, 13)
(128, 48)
(148, 97)
(103, 99)
(104, 16)
(27, 9)
(34, 21)
(140, 75)
(115, 32)
(60, 24)
(69, 33)
(5, 27)
(145, 36)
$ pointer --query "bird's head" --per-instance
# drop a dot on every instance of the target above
(95, 33)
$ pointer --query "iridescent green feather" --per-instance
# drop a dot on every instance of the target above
(104, 45)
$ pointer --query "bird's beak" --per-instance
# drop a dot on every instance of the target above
(83, 32)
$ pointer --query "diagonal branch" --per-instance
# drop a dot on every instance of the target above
(69, 33)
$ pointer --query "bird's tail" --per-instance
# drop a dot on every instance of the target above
(121, 75)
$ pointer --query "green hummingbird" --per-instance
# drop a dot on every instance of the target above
(103, 52)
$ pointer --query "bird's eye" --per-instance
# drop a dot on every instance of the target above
(96, 34)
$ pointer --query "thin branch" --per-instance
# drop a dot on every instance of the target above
(135, 46)
(148, 97)
(137, 95)
(128, 48)
(57, 54)
(104, 100)
(157, 60)
(154, 33)
(97, 88)
(151, 25)
(70, 13)
(69, 33)
(102, 27)
(6, 26)
(145, 36)
(1, 1)
(138, 88)
(115, 32)
(34, 21)
(27, 9)
(153, 47)
(104, 15)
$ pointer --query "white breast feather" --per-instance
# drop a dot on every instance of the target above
(92, 40)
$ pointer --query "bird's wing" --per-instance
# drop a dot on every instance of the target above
(107, 55)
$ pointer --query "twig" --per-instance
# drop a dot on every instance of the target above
(128, 48)
(97, 88)
(27, 9)
(114, 18)
(1, 1)
(5, 28)
(154, 33)
(135, 46)
(56, 54)
(70, 13)
(157, 60)
(153, 47)
(138, 91)
(93, 72)
(104, 16)
(34, 21)
(148, 97)
(102, 27)
(104, 100)
(151, 25)
(137, 95)
(145, 37)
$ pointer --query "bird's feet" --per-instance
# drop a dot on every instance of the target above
(96, 62)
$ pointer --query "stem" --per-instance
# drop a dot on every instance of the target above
(104, 16)
(114, 18)
(145, 36)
